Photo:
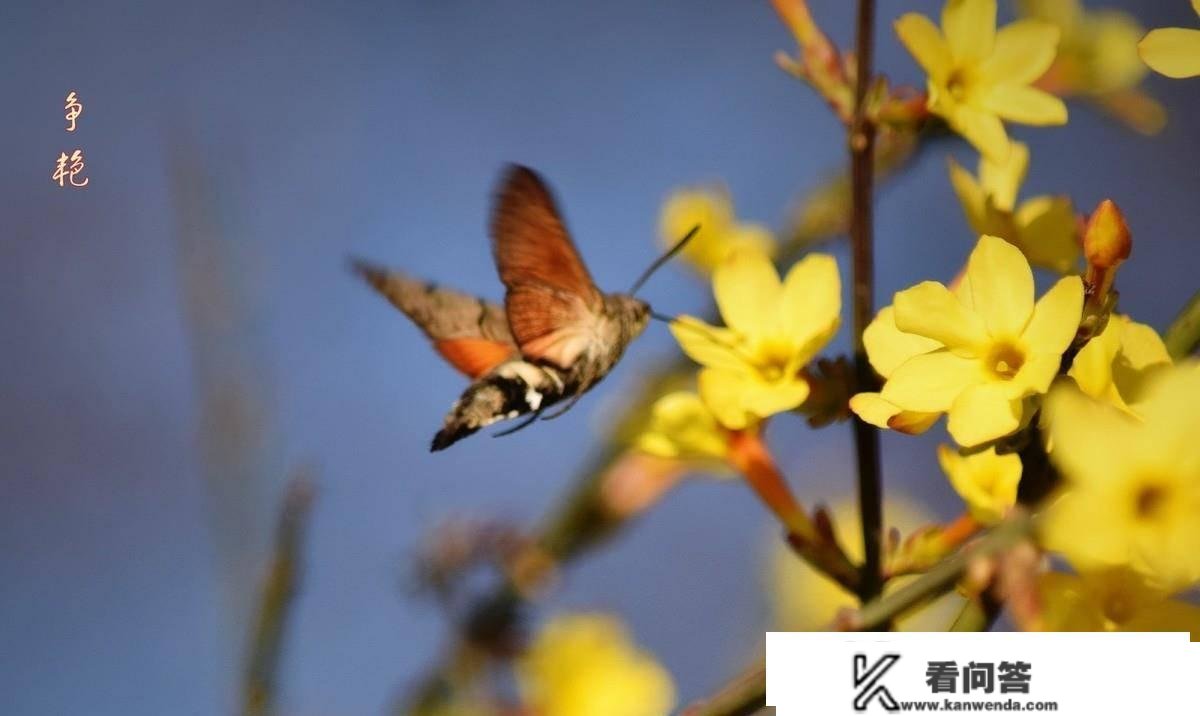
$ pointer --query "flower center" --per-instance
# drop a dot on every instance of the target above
(1150, 501)
(956, 85)
(1005, 360)
(772, 359)
(1118, 608)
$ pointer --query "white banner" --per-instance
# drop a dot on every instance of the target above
(1088, 674)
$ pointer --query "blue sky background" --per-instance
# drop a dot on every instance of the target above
(272, 140)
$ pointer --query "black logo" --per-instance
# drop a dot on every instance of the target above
(866, 681)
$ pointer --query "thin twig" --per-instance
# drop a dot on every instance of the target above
(748, 690)
(942, 578)
(862, 170)
(276, 600)
(744, 695)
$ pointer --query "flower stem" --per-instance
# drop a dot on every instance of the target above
(1183, 335)
(749, 455)
(862, 169)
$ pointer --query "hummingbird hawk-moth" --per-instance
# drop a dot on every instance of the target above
(555, 337)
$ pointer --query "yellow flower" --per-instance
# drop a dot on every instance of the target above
(1098, 51)
(1132, 487)
(681, 427)
(1043, 227)
(720, 233)
(993, 347)
(1115, 365)
(803, 599)
(979, 76)
(1173, 51)
(586, 665)
(888, 348)
(1114, 599)
(753, 367)
(987, 482)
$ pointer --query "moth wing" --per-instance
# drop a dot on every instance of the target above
(552, 304)
(471, 334)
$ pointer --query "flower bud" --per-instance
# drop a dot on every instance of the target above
(1106, 244)
(1106, 240)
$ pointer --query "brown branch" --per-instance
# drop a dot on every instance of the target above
(862, 170)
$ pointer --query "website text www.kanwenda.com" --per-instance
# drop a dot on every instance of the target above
(954, 706)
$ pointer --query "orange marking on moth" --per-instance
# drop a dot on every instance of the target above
(474, 356)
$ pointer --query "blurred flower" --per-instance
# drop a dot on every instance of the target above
(586, 665)
(978, 76)
(682, 428)
(1132, 487)
(987, 482)
(720, 233)
(993, 346)
(803, 599)
(1098, 50)
(1115, 599)
(753, 367)
(1115, 365)
(1173, 51)
(1043, 227)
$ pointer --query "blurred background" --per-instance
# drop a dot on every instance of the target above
(182, 335)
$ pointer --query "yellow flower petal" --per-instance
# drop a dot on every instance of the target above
(1167, 615)
(762, 400)
(748, 291)
(682, 427)
(708, 345)
(925, 42)
(1116, 64)
(812, 299)
(1047, 233)
(929, 309)
(1002, 180)
(1092, 367)
(986, 482)
(1074, 421)
(930, 383)
(970, 196)
(982, 129)
(1034, 376)
(1027, 105)
(1024, 51)
(887, 346)
(1055, 318)
(1001, 287)
(1141, 345)
(970, 27)
(1066, 605)
(721, 391)
(873, 409)
(587, 665)
(982, 413)
(1172, 51)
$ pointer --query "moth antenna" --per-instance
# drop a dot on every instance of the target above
(664, 258)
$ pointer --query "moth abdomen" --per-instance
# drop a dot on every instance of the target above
(513, 389)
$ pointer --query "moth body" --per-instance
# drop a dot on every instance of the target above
(555, 337)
